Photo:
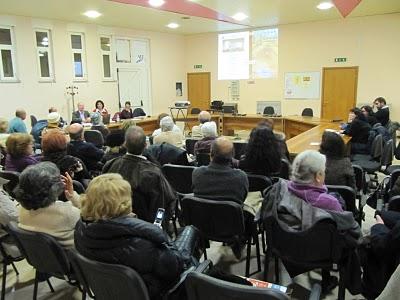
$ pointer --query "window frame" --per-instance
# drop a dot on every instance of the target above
(49, 50)
(13, 50)
(110, 54)
(82, 52)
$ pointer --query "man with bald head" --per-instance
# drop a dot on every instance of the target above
(204, 116)
(87, 152)
(150, 189)
(81, 115)
(17, 124)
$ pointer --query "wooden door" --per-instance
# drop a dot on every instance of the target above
(199, 90)
(339, 92)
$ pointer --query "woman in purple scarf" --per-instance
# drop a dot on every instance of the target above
(307, 181)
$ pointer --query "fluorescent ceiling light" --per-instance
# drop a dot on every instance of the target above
(325, 5)
(156, 3)
(173, 25)
(92, 14)
(240, 16)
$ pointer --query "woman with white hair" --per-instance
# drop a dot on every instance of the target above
(168, 135)
(209, 133)
(307, 181)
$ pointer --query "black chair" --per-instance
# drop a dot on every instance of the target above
(189, 145)
(349, 196)
(361, 187)
(179, 177)
(13, 180)
(195, 111)
(33, 120)
(375, 152)
(283, 172)
(319, 247)
(45, 254)
(203, 159)
(307, 112)
(239, 148)
(7, 259)
(258, 183)
(269, 110)
(393, 177)
(221, 221)
(138, 112)
(78, 187)
(387, 157)
(394, 203)
(202, 287)
(95, 137)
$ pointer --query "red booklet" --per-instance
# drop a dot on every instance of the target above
(268, 285)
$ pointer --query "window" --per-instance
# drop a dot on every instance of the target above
(44, 54)
(105, 46)
(78, 56)
(7, 51)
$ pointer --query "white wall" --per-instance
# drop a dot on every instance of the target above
(166, 59)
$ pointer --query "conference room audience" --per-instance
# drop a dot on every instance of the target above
(114, 145)
(158, 130)
(81, 115)
(339, 170)
(38, 191)
(280, 137)
(3, 132)
(382, 114)
(17, 124)
(150, 189)
(209, 134)
(262, 155)
(126, 113)
(167, 134)
(204, 116)
(19, 152)
(87, 152)
(109, 232)
(358, 128)
(97, 124)
(369, 114)
(100, 108)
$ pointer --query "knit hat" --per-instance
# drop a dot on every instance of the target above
(53, 118)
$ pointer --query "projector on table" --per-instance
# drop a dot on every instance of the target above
(182, 104)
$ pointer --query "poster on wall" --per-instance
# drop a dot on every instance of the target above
(302, 85)
(178, 87)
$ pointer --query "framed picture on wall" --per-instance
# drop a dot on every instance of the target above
(178, 87)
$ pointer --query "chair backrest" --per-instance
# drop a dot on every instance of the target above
(360, 178)
(203, 159)
(108, 281)
(258, 183)
(106, 119)
(95, 137)
(377, 147)
(78, 187)
(42, 251)
(33, 120)
(307, 112)
(316, 246)
(189, 144)
(348, 194)
(387, 154)
(285, 169)
(394, 203)
(195, 111)
(240, 148)
(217, 220)
(138, 112)
(203, 287)
(393, 177)
(269, 110)
(13, 178)
(179, 177)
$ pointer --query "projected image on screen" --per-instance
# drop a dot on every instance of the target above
(264, 53)
(233, 55)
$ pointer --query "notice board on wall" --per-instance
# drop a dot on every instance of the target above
(302, 85)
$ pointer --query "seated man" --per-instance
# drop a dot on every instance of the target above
(382, 114)
(81, 115)
(17, 124)
(204, 116)
(150, 188)
(87, 152)
(168, 135)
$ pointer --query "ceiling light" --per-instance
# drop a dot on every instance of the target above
(240, 16)
(325, 5)
(156, 3)
(173, 25)
(92, 14)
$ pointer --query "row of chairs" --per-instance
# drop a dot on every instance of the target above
(268, 110)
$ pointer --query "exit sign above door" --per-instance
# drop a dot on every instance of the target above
(340, 59)
(198, 66)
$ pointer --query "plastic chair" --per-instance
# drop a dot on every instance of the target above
(394, 203)
(239, 148)
(33, 120)
(221, 221)
(189, 145)
(203, 159)
(95, 137)
(13, 178)
(375, 152)
(202, 287)
(307, 112)
(349, 196)
(195, 111)
(269, 110)
(393, 177)
(179, 177)
(44, 253)
(138, 112)
(258, 183)
(387, 157)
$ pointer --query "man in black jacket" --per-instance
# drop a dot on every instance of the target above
(150, 189)
(81, 115)
(382, 114)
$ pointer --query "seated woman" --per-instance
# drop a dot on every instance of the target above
(38, 191)
(280, 137)
(358, 128)
(99, 108)
(262, 155)
(209, 133)
(3, 132)
(110, 232)
(97, 124)
(19, 152)
(115, 145)
(168, 135)
(158, 130)
(369, 114)
(339, 170)
(126, 113)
